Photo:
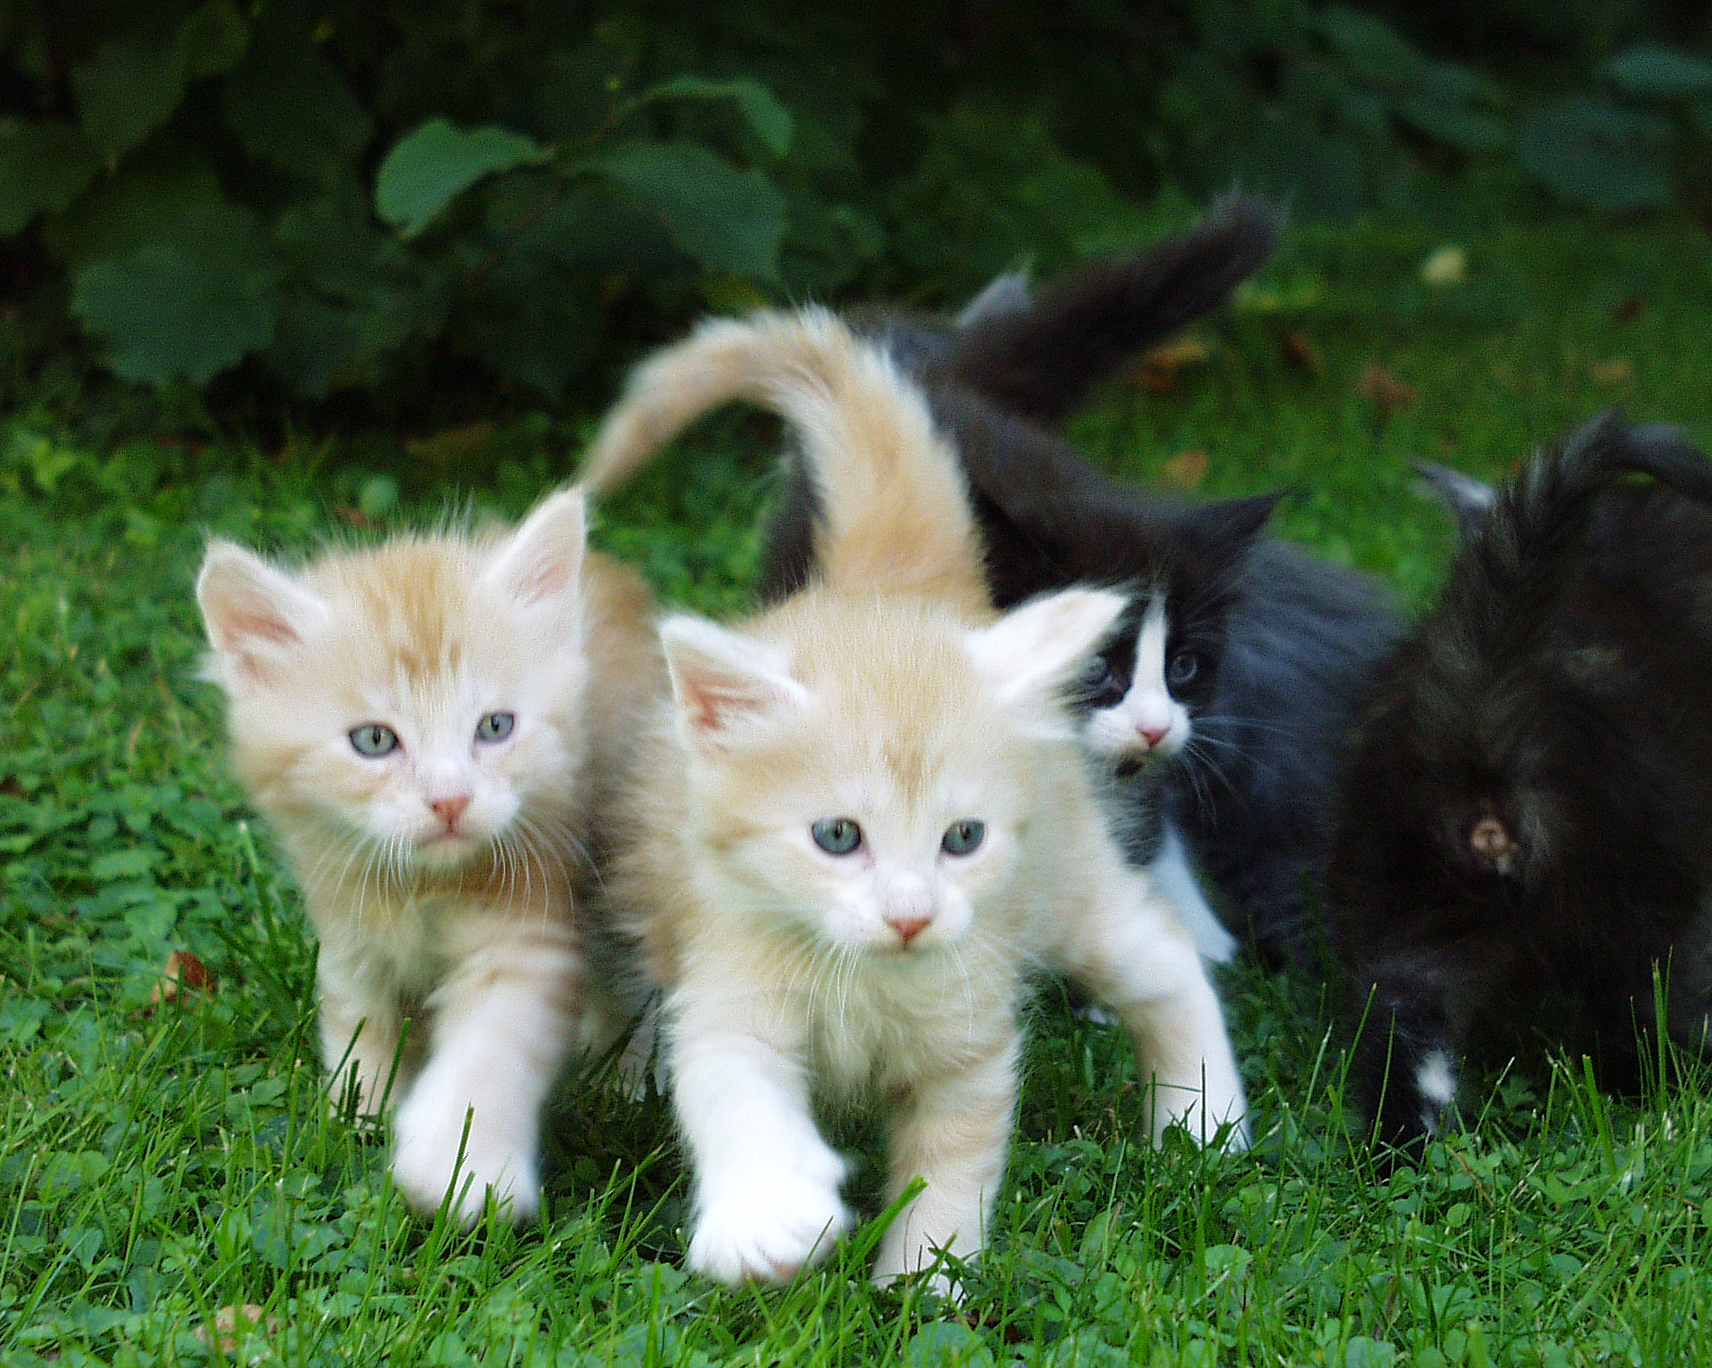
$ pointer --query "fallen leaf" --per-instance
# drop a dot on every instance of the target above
(355, 516)
(1185, 470)
(233, 1323)
(184, 973)
(1629, 308)
(453, 444)
(1383, 388)
(1301, 353)
(1447, 266)
(1160, 366)
(1617, 371)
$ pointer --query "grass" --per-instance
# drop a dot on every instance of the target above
(164, 1163)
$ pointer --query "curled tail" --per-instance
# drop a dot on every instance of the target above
(1039, 359)
(1538, 518)
(894, 508)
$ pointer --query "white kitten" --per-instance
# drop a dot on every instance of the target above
(427, 724)
(857, 823)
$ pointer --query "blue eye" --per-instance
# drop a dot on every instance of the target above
(1184, 666)
(836, 835)
(963, 838)
(495, 726)
(373, 740)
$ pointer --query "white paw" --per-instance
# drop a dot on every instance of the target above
(496, 1156)
(766, 1228)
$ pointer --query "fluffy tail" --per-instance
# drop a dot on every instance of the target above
(1040, 359)
(1538, 518)
(894, 508)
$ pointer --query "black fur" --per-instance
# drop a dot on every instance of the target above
(1526, 812)
(1280, 641)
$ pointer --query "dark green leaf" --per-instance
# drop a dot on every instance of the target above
(769, 119)
(1594, 152)
(43, 166)
(191, 304)
(289, 107)
(128, 88)
(1650, 72)
(139, 203)
(728, 219)
(436, 162)
(212, 40)
(1371, 48)
(1449, 124)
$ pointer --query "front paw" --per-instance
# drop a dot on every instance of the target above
(766, 1227)
(496, 1157)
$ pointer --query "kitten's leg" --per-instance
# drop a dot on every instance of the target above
(503, 1021)
(1177, 884)
(953, 1132)
(1412, 1004)
(360, 1027)
(766, 1184)
(1127, 948)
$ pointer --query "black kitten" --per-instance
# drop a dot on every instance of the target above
(1238, 656)
(1527, 808)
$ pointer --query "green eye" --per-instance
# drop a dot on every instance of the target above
(836, 835)
(373, 740)
(495, 726)
(963, 838)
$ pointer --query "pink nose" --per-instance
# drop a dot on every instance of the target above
(1153, 735)
(907, 927)
(450, 809)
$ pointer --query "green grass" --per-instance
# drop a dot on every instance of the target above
(161, 1162)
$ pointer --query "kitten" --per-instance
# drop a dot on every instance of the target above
(1239, 657)
(1527, 805)
(859, 820)
(429, 725)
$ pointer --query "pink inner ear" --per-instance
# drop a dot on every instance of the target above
(249, 624)
(712, 702)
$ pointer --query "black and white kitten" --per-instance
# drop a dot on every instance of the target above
(1526, 810)
(1240, 655)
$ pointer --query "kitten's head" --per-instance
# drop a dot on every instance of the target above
(864, 775)
(411, 708)
(1141, 694)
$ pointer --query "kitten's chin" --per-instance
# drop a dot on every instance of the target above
(443, 853)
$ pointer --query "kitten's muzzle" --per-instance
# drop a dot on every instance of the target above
(1493, 846)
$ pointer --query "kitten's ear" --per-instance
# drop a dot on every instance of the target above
(725, 684)
(1234, 524)
(1028, 652)
(541, 561)
(252, 612)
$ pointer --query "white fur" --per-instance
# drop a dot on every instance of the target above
(1435, 1080)
(1177, 884)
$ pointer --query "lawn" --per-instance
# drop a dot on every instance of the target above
(173, 1188)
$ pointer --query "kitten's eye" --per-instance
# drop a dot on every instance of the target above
(963, 838)
(836, 835)
(373, 740)
(495, 726)
(1099, 680)
(1184, 666)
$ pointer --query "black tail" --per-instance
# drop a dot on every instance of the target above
(1539, 516)
(1040, 360)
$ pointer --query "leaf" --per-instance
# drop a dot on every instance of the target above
(1651, 72)
(1384, 389)
(1186, 470)
(1592, 151)
(769, 119)
(132, 83)
(1371, 47)
(435, 163)
(290, 107)
(122, 864)
(728, 219)
(43, 167)
(1450, 124)
(189, 305)
(1446, 266)
(184, 973)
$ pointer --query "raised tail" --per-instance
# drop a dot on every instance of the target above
(894, 509)
(1039, 359)
(1538, 517)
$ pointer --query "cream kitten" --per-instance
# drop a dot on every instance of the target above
(427, 724)
(857, 823)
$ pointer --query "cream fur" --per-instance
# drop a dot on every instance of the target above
(451, 966)
(888, 694)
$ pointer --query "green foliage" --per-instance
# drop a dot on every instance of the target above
(412, 203)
